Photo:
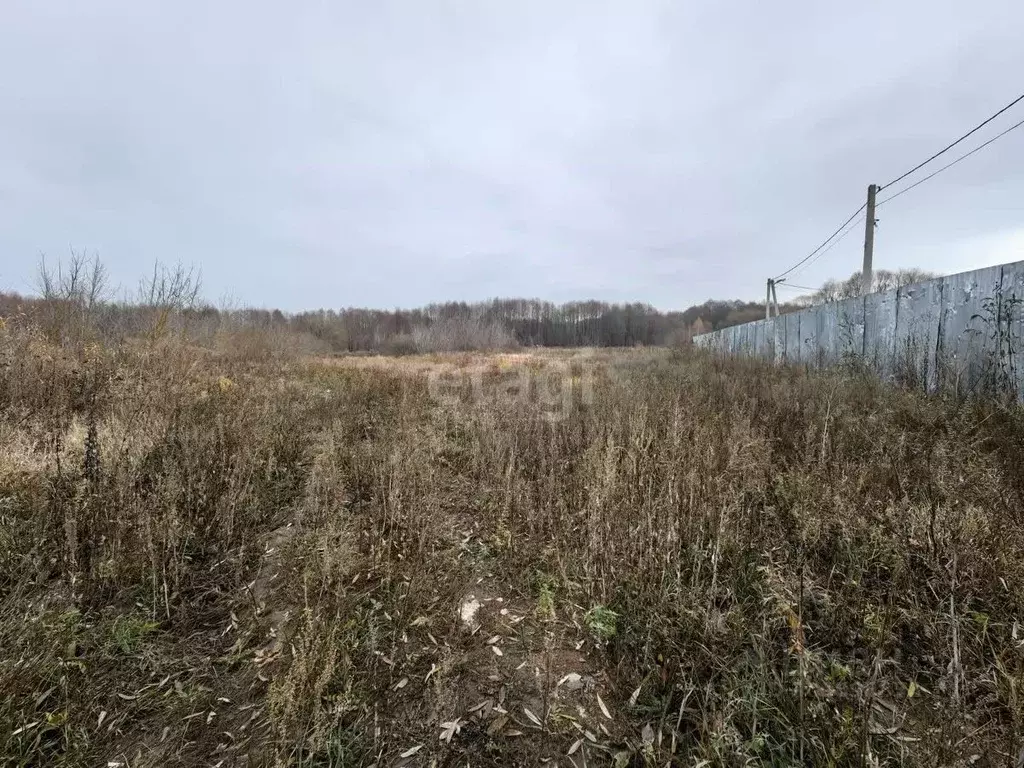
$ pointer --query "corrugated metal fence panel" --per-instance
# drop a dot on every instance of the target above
(761, 341)
(880, 331)
(917, 330)
(793, 336)
(968, 344)
(1013, 301)
(824, 325)
(938, 331)
(840, 327)
(808, 335)
(779, 339)
(850, 328)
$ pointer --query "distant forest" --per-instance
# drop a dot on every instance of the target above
(75, 296)
(496, 323)
(528, 322)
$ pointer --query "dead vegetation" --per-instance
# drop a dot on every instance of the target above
(219, 559)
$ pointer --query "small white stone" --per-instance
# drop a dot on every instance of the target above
(467, 612)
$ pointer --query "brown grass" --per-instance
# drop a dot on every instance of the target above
(211, 558)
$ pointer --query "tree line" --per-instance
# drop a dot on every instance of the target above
(74, 298)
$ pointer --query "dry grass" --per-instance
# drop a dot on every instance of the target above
(219, 559)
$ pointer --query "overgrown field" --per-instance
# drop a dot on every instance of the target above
(628, 558)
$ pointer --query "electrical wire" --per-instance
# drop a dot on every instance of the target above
(827, 241)
(797, 287)
(839, 234)
(835, 242)
(949, 165)
(848, 227)
(975, 129)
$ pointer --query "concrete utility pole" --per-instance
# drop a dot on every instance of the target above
(768, 299)
(869, 240)
(775, 299)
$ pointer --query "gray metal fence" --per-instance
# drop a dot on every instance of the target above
(962, 330)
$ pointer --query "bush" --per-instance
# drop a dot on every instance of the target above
(462, 334)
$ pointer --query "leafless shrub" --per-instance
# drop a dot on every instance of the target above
(462, 334)
(166, 294)
(71, 291)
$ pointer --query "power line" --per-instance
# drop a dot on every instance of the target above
(950, 165)
(797, 287)
(827, 241)
(943, 151)
(839, 234)
(835, 242)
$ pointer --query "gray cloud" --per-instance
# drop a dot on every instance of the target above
(395, 153)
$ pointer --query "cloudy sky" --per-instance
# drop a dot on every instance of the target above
(397, 152)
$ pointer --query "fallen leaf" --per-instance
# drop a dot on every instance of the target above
(497, 725)
(635, 695)
(497, 650)
(575, 746)
(449, 729)
(493, 640)
(411, 751)
(45, 695)
(647, 734)
(401, 683)
(420, 621)
(533, 717)
(604, 709)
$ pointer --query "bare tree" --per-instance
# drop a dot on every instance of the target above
(168, 292)
(881, 280)
(72, 291)
(462, 334)
(176, 287)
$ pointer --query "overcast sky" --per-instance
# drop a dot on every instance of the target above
(396, 152)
